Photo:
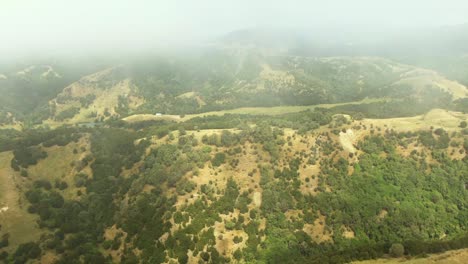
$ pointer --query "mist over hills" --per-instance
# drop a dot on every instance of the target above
(371, 41)
(258, 146)
(246, 68)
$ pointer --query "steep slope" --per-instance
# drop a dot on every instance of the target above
(27, 88)
(95, 97)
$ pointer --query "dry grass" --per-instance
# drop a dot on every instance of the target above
(17, 126)
(317, 231)
(449, 257)
(347, 232)
(276, 110)
(448, 120)
(16, 221)
(109, 234)
(310, 172)
(348, 139)
(58, 165)
(106, 99)
(193, 95)
(48, 257)
(218, 176)
(257, 199)
(226, 245)
(281, 79)
(150, 117)
(422, 78)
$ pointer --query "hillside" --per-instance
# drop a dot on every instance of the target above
(240, 132)
(26, 89)
(236, 155)
(237, 82)
(290, 188)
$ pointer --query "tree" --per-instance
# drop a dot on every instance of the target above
(28, 250)
(182, 131)
(4, 242)
(218, 159)
(397, 250)
(227, 138)
(237, 254)
(463, 124)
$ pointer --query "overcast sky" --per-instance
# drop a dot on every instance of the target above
(35, 25)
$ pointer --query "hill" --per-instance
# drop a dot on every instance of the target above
(233, 154)
(292, 187)
(225, 82)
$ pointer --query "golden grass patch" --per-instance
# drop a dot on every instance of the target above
(15, 220)
(450, 257)
(317, 231)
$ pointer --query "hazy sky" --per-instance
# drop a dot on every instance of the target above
(35, 25)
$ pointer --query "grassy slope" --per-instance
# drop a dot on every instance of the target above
(449, 257)
(276, 110)
(253, 156)
(448, 120)
(16, 220)
(58, 166)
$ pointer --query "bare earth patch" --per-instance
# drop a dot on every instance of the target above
(348, 139)
(348, 232)
(257, 199)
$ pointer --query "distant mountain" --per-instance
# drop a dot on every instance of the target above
(365, 42)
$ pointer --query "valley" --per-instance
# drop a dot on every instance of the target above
(243, 132)
(222, 158)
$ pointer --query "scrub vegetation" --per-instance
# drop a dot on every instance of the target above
(233, 157)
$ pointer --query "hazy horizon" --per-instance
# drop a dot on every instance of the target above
(70, 27)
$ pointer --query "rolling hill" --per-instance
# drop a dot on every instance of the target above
(233, 154)
(230, 81)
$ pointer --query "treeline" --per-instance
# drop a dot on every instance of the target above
(26, 145)
(411, 105)
(303, 121)
(13, 139)
(354, 250)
